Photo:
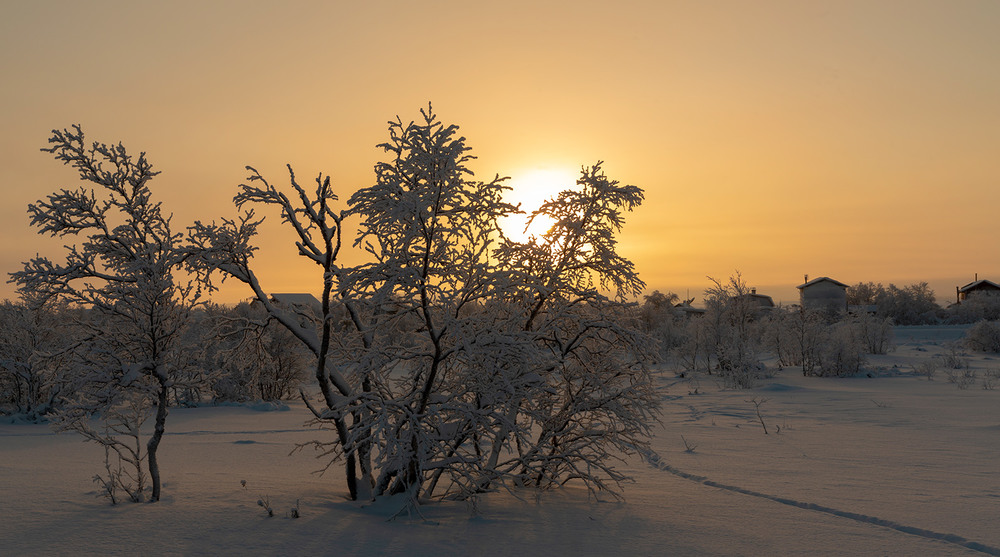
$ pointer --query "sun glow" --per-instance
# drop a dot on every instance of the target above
(530, 189)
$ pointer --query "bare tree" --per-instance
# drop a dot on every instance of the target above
(124, 275)
(227, 248)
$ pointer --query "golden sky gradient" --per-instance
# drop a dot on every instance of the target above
(852, 139)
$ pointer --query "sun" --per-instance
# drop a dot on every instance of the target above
(530, 189)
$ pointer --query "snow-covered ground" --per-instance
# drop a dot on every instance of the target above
(893, 464)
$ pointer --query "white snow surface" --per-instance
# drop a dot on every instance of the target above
(893, 464)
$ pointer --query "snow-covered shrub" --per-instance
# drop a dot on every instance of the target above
(694, 351)
(977, 307)
(252, 358)
(913, 304)
(660, 321)
(123, 451)
(734, 333)
(471, 361)
(875, 333)
(991, 379)
(927, 368)
(984, 336)
(841, 352)
(794, 336)
(33, 343)
(777, 340)
(962, 378)
(954, 358)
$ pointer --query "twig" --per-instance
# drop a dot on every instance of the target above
(756, 404)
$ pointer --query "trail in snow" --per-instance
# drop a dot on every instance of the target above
(654, 459)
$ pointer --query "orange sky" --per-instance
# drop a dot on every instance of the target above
(853, 139)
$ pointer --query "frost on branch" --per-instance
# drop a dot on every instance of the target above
(489, 363)
(454, 360)
(121, 279)
(227, 249)
(33, 354)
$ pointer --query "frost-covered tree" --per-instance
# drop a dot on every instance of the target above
(975, 308)
(33, 345)
(795, 336)
(430, 230)
(661, 320)
(874, 333)
(841, 351)
(734, 332)
(454, 359)
(499, 380)
(983, 336)
(227, 248)
(252, 357)
(595, 400)
(122, 275)
(912, 304)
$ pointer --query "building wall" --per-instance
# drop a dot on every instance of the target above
(982, 290)
(825, 296)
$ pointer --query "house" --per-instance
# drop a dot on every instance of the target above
(760, 303)
(977, 288)
(823, 294)
(298, 301)
(685, 309)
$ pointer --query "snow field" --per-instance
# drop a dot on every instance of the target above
(894, 464)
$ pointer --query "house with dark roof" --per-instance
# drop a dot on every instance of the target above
(685, 309)
(823, 294)
(977, 288)
(761, 304)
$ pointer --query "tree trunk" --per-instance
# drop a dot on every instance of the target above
(352, 462)
(154, 441)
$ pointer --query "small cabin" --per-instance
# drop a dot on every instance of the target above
(977, 288)
(823, 294)
(760, 303)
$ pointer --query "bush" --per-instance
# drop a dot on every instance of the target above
(33, 341)
(908, 305)
(841, 354)
(991, 379)
(795, 336)
(963, 380)
(975, 308)
(659, 320)
(694, 351)
(984, 336)
(875, 333)
(734, 333)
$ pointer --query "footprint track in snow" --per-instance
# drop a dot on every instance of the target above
(656, 462)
